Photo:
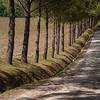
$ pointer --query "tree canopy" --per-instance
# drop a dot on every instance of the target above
(64, 10)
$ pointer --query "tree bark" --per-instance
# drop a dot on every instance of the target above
(58, 38)
(11, 33)
(92, 22)
(46, 38)
(73, 32)
(56, 34)
(78, 32)
(26, 32)
(36, 58)
(81, 27)
(53, 40)
(62, 38)
(85, 25)
(95, 21)
(70, 34)
(89, 22)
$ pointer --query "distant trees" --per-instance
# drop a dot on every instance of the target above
(77, 13)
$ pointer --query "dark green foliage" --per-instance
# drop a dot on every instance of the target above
(19, 12)
(3, 9)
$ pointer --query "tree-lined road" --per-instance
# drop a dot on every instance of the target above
(81, 82)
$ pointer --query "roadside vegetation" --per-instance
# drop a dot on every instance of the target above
(54, 31)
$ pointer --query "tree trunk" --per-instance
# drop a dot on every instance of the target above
(89, 22)
(95, 21)
(78, 32)
(11, 33)
(36, 58)
(58, 38)
(46, 38)
(53, 40)
(73, 32)
(81, 27)
(70, 35)
(56, 34)
(85, 25)
(92, 22)
(26, 32)
(62, 38)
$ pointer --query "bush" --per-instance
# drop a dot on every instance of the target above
(97, 27)
(89, 31)
(81, 41)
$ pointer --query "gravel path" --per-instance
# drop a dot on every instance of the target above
(81, 82)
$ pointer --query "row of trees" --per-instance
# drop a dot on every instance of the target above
(80, 14)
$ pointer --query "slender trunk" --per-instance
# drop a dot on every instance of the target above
(46, 38)
(94, 21)
(78, 33)
(70, 35)
(85, 21)
(81, 27)
(89, 22)
(58, 38)
(11, 33)
(56, 34)
(85, 24)
(53, 41)
(73, 32)
(62, 38)
(26, 32)
(36, 58)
